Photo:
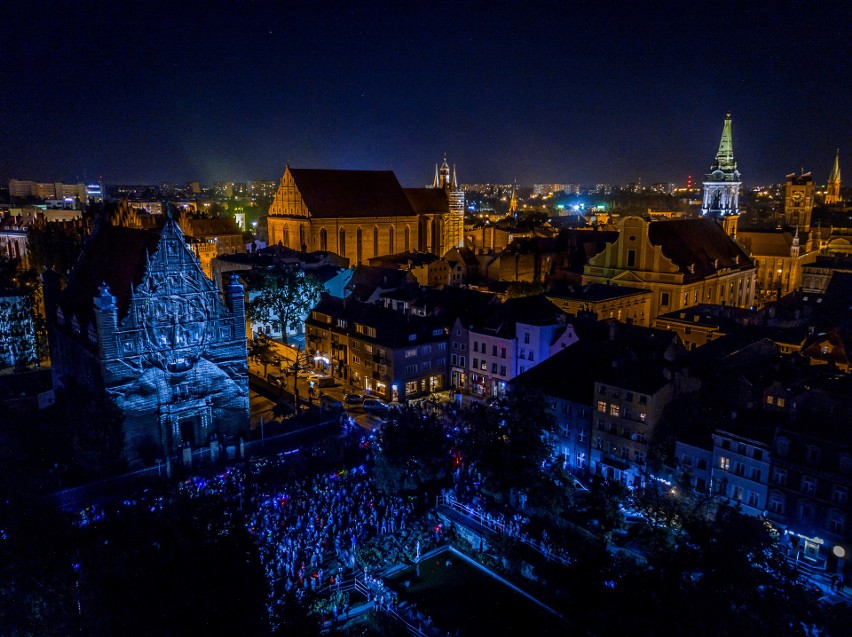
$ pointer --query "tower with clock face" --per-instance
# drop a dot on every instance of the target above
(722, 183)
(799, 200)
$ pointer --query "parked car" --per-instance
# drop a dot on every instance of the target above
(353, 399)
(276, 378)
(321, 380)
(375, 405)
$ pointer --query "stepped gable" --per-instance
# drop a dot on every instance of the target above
(699, 247)
(351, 193)
(115, 255)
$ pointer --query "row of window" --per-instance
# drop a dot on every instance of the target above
(835, 520)
(812, 454)
(742, 449)
(615, 410)
(323, 239)
(665, 297)
(615, 392)
(425, 366)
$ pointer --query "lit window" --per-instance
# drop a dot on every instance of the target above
(602, 406)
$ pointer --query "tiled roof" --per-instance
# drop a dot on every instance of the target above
(213, 227)
(351, 193)
(532, 310)
(701, 244)
(628, 356)
(115, 255)
(393, 329)
(427, 200)
(767, 243)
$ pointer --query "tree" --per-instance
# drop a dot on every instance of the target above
(414, 451)
(282, 295)
(509, 440)
(262, 350)
(54, 245)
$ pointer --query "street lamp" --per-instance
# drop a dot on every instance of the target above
(840, 553)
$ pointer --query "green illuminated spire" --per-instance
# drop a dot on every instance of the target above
(725, 154)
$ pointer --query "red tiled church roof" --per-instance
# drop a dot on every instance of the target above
(351, 193)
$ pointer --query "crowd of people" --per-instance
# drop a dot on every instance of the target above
(308, 530)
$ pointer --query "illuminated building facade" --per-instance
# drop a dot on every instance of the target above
(683, 262)
(379, 350)
(140, 323)
(363, 214)
(798, 200)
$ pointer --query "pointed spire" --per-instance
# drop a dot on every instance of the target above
(436, 182)
(832, 194)
(725, 154)
(835, 170)
(455, 181)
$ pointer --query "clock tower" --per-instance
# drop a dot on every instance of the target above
(799, 200)
(722, 183)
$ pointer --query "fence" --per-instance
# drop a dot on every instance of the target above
(498, 526)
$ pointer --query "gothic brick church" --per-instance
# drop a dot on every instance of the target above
(139, 322)
(364, 214)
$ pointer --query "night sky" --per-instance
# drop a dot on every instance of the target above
(579, 92)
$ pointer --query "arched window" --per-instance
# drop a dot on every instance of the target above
(375, 241)
(286, 237)
(359, 246)
(302, 245)
(341, 243)
(323, 240)
(407, 238)
(390, 240)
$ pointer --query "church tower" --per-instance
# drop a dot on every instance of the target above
(722, 184)
(832, 194)
(453, 226)
(799, 200)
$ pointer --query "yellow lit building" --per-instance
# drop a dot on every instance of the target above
(363, 214)
(683, 262)
(779, 257)
(799, 200)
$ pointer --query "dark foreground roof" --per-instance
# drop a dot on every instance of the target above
(115, 255)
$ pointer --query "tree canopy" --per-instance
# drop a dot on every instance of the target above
(282, 295)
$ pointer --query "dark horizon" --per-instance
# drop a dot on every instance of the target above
(542, 93)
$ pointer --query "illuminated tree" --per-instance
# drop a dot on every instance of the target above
(282, 296)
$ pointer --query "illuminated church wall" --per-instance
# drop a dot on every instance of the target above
(175, 360)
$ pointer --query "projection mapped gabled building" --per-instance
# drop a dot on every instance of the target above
(139, 322)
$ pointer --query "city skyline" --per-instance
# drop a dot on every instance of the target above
(581, 94)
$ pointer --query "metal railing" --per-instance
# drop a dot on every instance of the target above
(498, 526)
